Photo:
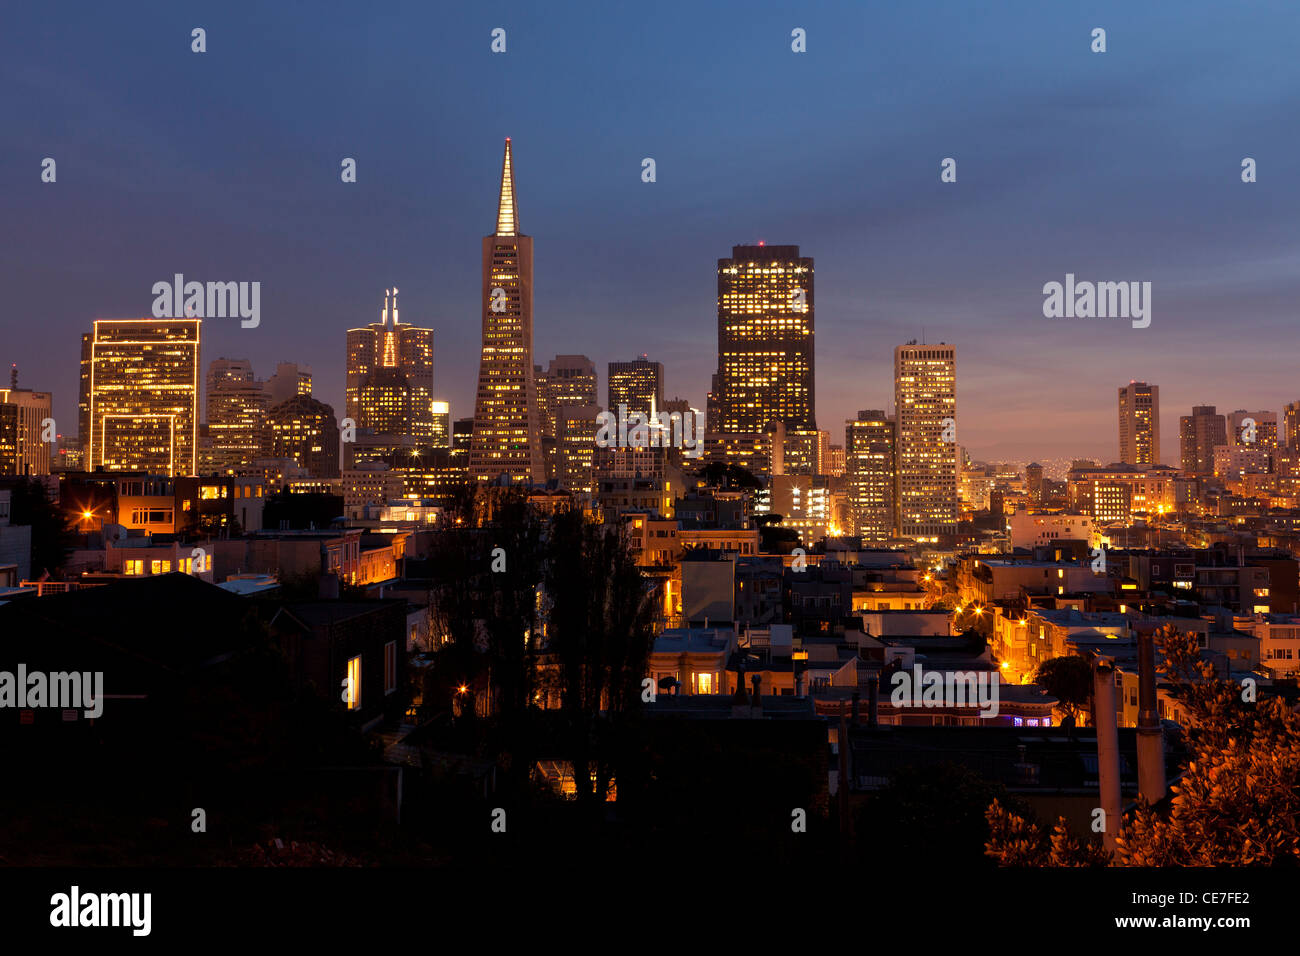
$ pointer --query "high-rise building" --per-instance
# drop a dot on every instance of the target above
(236, 413)
(1139, 424)
(869, 465)
(441, 425)
(1291, 416)
(765, 355)
(23, 414)
(638, 384)
(576, 447)
(395, 362)
(765, 349)
(289, 380)
(1198, 434)
(1253, 429)
(305, 430)
(143, 412)
(507, 422)
(925, 397)
(83, 399)
(567, 380)
(1034, 483)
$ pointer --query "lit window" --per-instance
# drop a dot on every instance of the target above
(354, 683)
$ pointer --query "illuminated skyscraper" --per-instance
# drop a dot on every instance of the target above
(638, 384)
(507, 427)
(391, 358)
(1253, 429)
(22, 417)
(236, 412)
(305, 430)
(869, 464)
(765, 351)
(567, 380)
(925, 398)
(144, 396)
(1139, 424)
(441, 425)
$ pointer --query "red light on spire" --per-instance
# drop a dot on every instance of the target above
(761, 243)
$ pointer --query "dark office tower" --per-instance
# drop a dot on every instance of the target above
(408, 349)
(236, 412)
(869, 468)
(1198, 433)
(289, 380)
(1034, 483)
(568, 380)
(925, 399)
(638, 384)
(305, 430)
(507, 426)
(765, 350)
(1139, 424)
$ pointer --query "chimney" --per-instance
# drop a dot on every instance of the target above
(1103, 718)
(1150, 732)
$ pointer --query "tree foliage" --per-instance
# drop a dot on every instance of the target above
(1068, 678)
(1237, 803)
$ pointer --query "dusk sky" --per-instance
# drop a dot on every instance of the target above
(1121, 166)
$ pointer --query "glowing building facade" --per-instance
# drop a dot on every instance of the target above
(22, 421)
(1139, 424)
(305, 430)
(236, 412)
(765, 351)
(638, 384)
(869, 465)
(925, 484)
(507, 426)
(143, 388)
(390, 376)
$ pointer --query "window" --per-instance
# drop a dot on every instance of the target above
(160, 567)
(134, 567)
(390, 667)
(704, 683)
(354, 684)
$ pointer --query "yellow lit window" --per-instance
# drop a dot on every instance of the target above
(135, 567)
(354, 683)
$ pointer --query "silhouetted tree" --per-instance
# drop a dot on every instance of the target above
(599, 633)
(1068, 678)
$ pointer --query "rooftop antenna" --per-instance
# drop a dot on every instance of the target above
(13, 375)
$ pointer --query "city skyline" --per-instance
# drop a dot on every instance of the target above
(964, 261)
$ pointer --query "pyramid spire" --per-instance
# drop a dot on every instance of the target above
(507, 219)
